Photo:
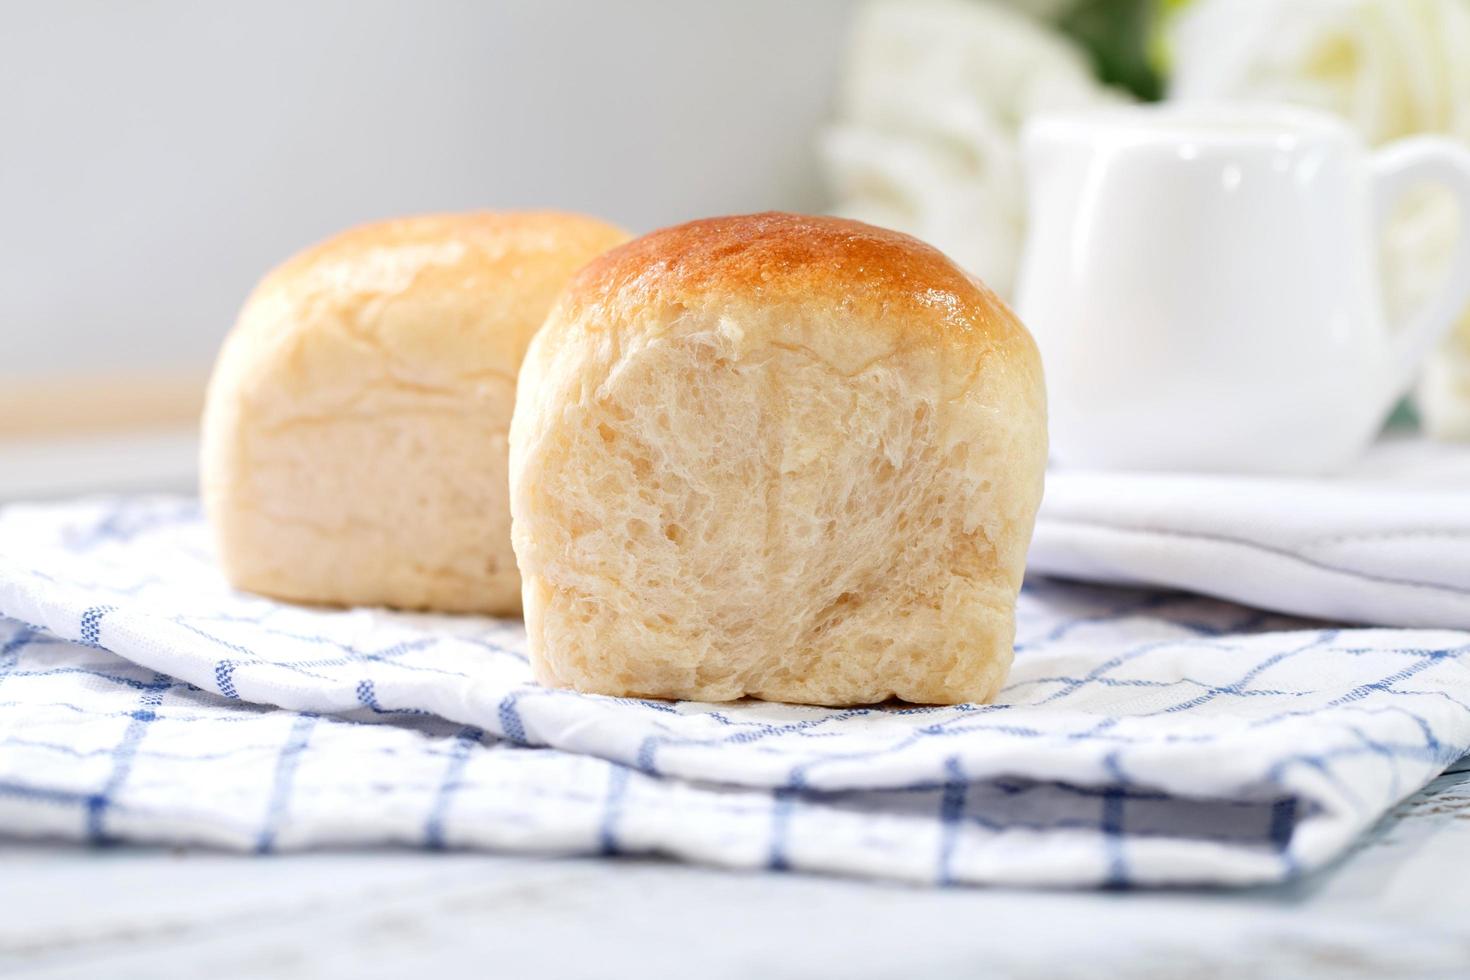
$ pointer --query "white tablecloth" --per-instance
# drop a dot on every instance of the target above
(1145, 737)
(1386, 543)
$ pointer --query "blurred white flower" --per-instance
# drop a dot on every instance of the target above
(1390, 67)
(930, 109)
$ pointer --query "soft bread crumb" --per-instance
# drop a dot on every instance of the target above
(791, 458)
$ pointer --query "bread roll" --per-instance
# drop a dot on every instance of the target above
(786, 457)
(355, 425)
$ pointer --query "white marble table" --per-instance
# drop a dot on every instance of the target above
(1399, 905)
(55, 467)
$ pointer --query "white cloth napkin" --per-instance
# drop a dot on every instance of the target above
(1386, 543)
(1144, 737)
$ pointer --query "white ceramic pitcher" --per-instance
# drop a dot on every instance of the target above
(1203, 284)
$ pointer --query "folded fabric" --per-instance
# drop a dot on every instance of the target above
(1144, 738)
(1387, 543)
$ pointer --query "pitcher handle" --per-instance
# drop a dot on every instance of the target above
(1396, 168)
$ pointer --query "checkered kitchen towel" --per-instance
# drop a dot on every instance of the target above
(1144, 738)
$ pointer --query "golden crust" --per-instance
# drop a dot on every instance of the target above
(498, 237)
(455, 263)
(430, 300)
(776, 258)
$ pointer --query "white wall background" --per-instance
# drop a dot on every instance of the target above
(157, 157)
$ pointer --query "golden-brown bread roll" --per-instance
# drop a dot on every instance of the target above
(355, 426)
(788, 457)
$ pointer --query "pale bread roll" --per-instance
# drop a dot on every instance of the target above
(355, 426)
(787, 457)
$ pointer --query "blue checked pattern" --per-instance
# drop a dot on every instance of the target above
(1144, 738)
